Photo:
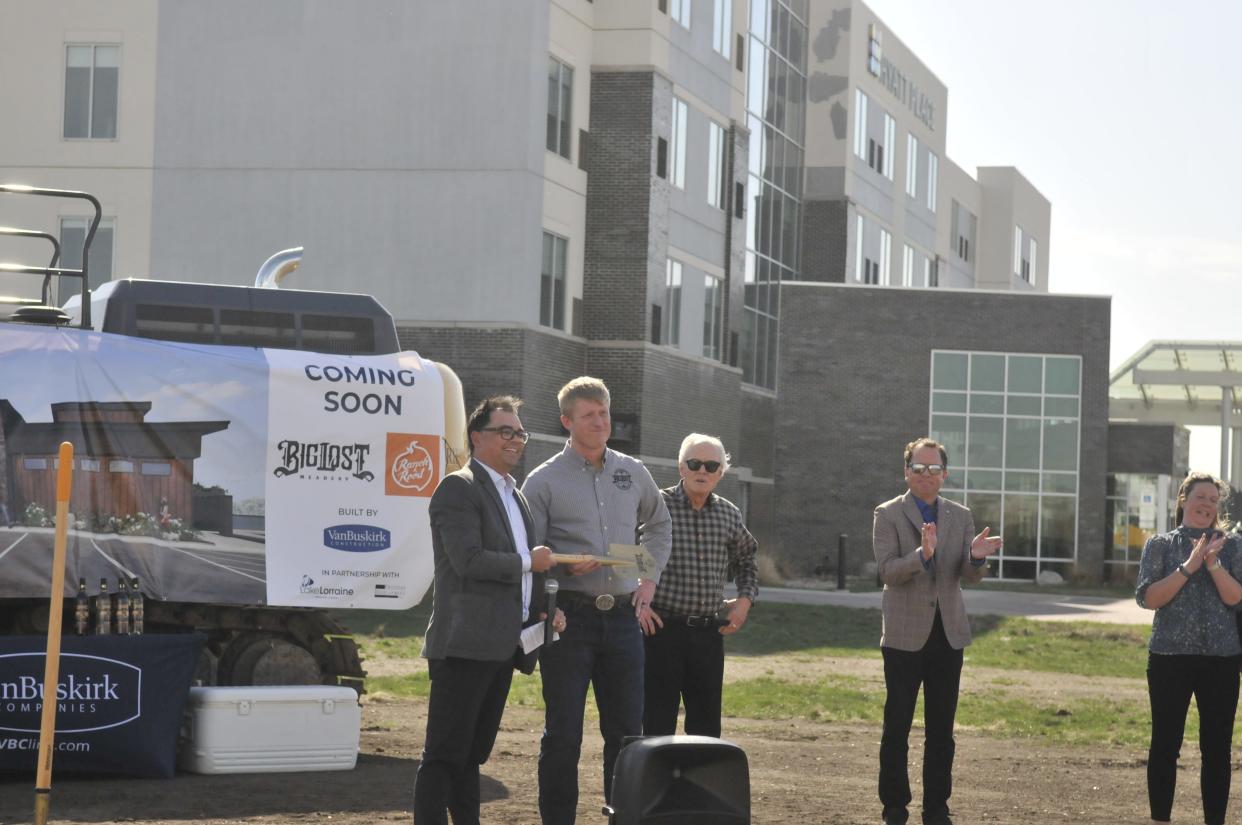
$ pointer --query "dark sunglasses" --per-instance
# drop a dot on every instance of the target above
(508, 433)
(920, 469)
(693, 464)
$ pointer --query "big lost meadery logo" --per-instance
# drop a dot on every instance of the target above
(94, 693)
(323, 461)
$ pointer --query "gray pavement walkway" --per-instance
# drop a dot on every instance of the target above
(989, 600)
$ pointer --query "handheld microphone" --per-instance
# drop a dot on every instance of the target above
(549, 588)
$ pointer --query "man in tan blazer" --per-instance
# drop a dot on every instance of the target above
(924, 546)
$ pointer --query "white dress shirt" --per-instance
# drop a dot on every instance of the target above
(506, 486)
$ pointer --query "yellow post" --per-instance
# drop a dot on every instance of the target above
(51, 671)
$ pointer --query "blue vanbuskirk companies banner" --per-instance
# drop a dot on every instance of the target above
(118, 702)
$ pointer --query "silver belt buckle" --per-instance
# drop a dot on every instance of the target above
(605, 602)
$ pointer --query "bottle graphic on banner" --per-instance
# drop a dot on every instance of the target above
(135, 608)
(122, 607)
(82, 610)
(103, 610)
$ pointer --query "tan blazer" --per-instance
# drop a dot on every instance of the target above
(911, 594)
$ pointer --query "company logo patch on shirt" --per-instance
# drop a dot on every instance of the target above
(622, 480)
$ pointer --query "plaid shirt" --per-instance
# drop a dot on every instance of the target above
(708, 545)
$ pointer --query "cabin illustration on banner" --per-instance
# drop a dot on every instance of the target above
(123, 464)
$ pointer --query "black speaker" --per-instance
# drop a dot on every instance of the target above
(680, 780)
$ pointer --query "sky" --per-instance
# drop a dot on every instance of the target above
(1125, 115)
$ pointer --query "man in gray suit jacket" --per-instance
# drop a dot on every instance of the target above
(924, 546)
(485, 576)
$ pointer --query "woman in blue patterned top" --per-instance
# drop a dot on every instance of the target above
(1190, 578)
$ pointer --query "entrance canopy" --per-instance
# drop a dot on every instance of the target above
(1191, 383)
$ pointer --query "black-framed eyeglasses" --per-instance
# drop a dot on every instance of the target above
(508, 433)
(693, 464)
(920, 469)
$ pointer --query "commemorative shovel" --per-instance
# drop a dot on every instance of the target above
(51, 670)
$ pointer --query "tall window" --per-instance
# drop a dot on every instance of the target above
(552, 281)
(716, 156)
(886, 256)
(679, 10)
(1010, 422)
(681, 118)
(890, 143)
(72, 234)
(933, 175)
(672, 303)
(912, 166)
(91, 90)
(713, 309)
(860, 124)
(907, 266)
(1017, 251)
(962, 223)
(776, 57)
(560, 94)
(722, 27)
(1032, 249)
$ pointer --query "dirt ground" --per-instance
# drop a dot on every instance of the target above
(800, 772)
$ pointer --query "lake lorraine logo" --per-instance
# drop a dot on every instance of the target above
(323, 461)
(357, 538)
(413, 462)
(93, 693)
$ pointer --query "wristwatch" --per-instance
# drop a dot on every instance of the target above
(1181, 568)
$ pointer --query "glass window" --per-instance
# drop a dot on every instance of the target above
(1061, 407)
(1017, 250)
(72, 236)
(681, 117)
(890, 146)
(1022, 443)
(552, 281)
(949, 402)
(912, 165)
(713, 308)
(990, 403)
(950, 430)
(949, 370)
(985, 508)
(672, 303)
(1061, 376)
(560, 95)
(987, 372)
(722, 27)
(907, 265)
(91, 91)
(1010, 426)
(1025, 374)
(120, 465)
(933, 173)
(34, 463)
(156, 468)
(983, 480)
(1058, 521)
(1061, 444)
(1021, 482)
(679, 10)
(985, 445)
(1032, 249)
(1023, 405)
(886, 248)
(716, 156)
(860, 124)
(88, 465)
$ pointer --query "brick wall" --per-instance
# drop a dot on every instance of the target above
(854, 388)
(825, 239)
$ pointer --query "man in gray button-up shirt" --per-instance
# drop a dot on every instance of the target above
(582, 500)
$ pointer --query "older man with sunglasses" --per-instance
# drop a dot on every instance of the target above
(685, 641)
(925, 546)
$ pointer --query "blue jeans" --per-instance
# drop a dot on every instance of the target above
(606, 651)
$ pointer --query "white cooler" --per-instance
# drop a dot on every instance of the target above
(270, 729)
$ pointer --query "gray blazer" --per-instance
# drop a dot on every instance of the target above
(911, 594)
(476, 610)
